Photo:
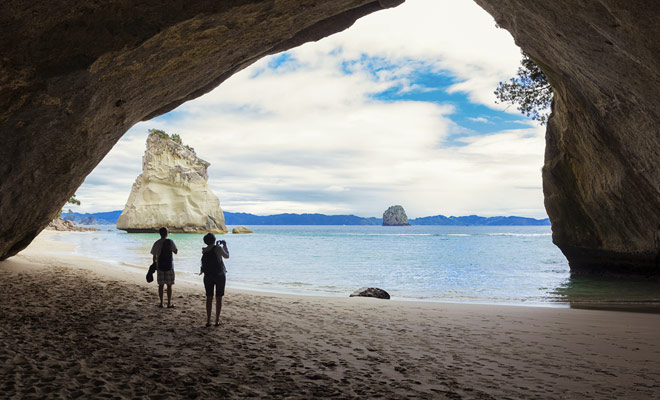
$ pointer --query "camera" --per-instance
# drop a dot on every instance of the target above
(220, 242)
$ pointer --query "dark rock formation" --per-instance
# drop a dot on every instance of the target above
(601, 177)
(395, 216)
(371, 292)
(74, 76)
(59, 224)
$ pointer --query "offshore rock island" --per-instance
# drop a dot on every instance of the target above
(395, 216)
(172, 191)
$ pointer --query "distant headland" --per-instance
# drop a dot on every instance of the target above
(110, 218)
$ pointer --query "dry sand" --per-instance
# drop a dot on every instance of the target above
(72, 332)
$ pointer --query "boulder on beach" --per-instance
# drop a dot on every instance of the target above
(241, 229)
(395, 216)
(172, 191)
(371, 292)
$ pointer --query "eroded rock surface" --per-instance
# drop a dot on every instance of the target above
(601, 177)
(75, 76)
(172, 192)
(395, 216)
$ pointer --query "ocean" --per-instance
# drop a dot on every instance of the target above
(474, 264)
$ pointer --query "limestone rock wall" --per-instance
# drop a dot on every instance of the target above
(75, 76)
(601, 177)
(172, 191)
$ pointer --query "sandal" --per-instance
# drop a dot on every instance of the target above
(208, 324)
(171, 306)
(217, 324)
(160, 306)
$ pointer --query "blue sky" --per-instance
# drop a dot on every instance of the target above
(398, 109)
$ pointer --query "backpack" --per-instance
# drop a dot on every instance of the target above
(211, 264)
(165, 257)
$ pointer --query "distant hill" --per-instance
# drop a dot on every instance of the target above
(101, 218)
(110, 218)
(477, 220)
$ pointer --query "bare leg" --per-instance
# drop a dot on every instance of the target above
(209, 305)
(218, 307)
(160, 293)
(169, 295)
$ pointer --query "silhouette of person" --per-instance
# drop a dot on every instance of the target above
(214, 272)
(162, 254)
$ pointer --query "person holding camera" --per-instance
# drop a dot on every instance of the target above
(214, 272)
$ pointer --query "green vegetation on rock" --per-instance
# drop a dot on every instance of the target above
(175, 137)
(531, 91)
(72, 200)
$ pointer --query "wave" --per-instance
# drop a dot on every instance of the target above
(392, 234)
(519, 234)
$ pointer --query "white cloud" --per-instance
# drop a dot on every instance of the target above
(307, 137)
(456, 36)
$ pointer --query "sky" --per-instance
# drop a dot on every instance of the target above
(398, 109)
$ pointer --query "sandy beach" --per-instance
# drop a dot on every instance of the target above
(71, 327)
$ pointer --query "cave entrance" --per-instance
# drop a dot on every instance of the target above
(360, 121)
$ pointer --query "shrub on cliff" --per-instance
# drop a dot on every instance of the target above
(175, 137)
(531, 91)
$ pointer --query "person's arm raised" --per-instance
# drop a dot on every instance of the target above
(221, 250)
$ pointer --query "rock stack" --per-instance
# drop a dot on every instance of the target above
(172, 191)
(395, 216)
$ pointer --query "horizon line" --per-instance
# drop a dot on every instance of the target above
(336, 215)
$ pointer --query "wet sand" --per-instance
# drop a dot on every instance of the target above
(71, 327)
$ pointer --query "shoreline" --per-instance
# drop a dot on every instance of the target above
(650, 306)
(187, 277)
(71, 329)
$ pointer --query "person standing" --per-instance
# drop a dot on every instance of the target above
(162, 254)
(214, 272)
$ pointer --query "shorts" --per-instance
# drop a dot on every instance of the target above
(219, 283)
(165, 277)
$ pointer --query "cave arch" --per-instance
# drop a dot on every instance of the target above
(74, 78)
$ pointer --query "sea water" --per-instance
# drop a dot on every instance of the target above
(475, 264)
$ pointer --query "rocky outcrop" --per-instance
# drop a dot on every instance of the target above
(601, 177)
(241, 229)
(395, 216)
(74, 76)
(59, 224)
(371, 292)
(172, 191)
